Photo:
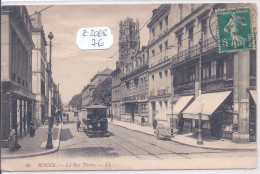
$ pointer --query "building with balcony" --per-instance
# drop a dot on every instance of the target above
(134, 88)
(39, 68)
(161, 47)
(17, 98)
(228, 80)
(130, 79)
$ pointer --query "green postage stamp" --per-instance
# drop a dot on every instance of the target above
(234, 29)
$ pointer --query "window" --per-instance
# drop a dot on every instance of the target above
(160, 24)
(213, 68)
(166, 104)
(160, 47)
(205, 124)
(166, 20)
(179, 43)
(191, 74)
(153, 52)
(153, 77)
(153, 32)
(204, 29)
(190, 37)
(166, 73)
(160, 73)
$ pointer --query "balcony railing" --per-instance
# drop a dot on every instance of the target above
(160, 92)
(208, 45)
(219, 77)
(134, 98)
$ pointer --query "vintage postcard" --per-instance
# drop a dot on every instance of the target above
(128, 86)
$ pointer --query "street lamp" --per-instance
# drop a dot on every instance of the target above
(49, 144)
(200, 141)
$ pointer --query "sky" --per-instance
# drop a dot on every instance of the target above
(73, 68)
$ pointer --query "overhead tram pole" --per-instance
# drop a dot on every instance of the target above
(200, 140)
(49, 144)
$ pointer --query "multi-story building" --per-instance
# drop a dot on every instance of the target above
(134, 88)
(39, 66)
(228, 85)
(17, 99)
(130, 79)
(87, 92)
(160, 49)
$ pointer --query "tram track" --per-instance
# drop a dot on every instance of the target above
(170, 152)
(177, 153)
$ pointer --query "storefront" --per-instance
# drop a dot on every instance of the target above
(183, 125)
(17, 110)
(217, 122)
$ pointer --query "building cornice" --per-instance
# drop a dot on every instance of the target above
(176, 25)
(160, 65)
(160, 11)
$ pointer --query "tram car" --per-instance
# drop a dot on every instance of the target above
(96, 121)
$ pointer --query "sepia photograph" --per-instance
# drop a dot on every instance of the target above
(130, 86)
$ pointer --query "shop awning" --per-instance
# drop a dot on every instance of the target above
(181, 104)
(209, 103)
(254, 95)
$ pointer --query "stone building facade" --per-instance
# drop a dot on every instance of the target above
(17, 99)
(134, 88)
(39, 68)
(228, 82)
(130, 79)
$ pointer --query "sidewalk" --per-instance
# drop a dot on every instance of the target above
(187, 139)
(35, 146)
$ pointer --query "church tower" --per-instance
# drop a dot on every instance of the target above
(129, 40)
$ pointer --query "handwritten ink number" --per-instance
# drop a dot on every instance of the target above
(99, 43)
(104, 32)
(97, 33)
(84, 33)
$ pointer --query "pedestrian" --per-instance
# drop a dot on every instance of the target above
(32, 129)
(142, 121)
(11, 139)
(154, 124)
(78, 124)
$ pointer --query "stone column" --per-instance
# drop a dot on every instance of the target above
(241, 96)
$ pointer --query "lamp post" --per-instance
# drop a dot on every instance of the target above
(49, 144)
(200, 141)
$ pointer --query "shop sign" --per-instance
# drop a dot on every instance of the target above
(214, 87)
